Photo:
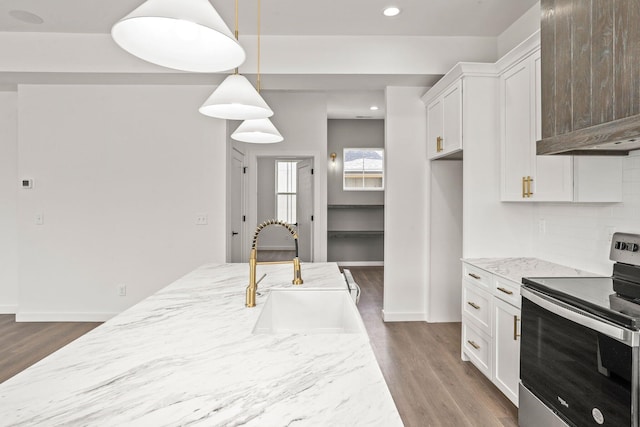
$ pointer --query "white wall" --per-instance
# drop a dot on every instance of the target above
(9, 182)
(577, 235)
(522, 28)
(445, 222)
(120, 173)
(406, 205)
(301, 118)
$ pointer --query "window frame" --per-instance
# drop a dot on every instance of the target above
(293, 208)
(363, 188)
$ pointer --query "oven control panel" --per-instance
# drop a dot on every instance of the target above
(625, 248)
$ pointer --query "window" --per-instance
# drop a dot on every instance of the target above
(363, 169)
(286, 191)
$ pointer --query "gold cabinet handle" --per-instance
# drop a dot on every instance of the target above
(526, 187)
(475, 276)
(506, 291)
(515, 328)
(473, 344)
(439, 144)
(474, 305)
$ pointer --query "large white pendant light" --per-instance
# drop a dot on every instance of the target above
(186, 35)
(257, 131)
(236, 99)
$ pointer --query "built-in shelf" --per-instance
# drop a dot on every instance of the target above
(355, 206)
(355, 233)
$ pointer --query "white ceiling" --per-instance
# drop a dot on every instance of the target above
(482, 18)
(292, 17)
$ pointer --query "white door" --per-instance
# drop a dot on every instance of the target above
(304, 209)
(236, 201)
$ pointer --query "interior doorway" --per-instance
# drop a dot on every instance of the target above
(285, 192)
(236, 213)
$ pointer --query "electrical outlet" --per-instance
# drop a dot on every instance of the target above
(39, 218)
(202, 219)
(122, 290)
(542, 227)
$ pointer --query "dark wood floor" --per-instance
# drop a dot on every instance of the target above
(421, 363)
(23, 344)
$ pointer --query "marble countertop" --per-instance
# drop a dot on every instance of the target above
(186, 356)
(515, 269)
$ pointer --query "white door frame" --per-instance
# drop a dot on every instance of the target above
(244, 251)
(319, 195)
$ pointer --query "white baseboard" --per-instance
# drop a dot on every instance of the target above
(8, 309)
(361, 263)
(403, 316)
(450, 319)
(63, 317)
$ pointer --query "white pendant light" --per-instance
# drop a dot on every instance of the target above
(236, 99)
(257, 131)
(186, 35)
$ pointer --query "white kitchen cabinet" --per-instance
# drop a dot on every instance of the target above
(529, 178)
(491, 327)
(506, 349)
(444, 122)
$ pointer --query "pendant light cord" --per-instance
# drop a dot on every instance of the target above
(236, 32)
(258, 82)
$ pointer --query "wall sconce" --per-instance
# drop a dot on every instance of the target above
(333, 159)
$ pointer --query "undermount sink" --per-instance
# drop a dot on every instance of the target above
(309, 311)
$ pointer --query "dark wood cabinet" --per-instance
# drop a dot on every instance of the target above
(590, 73)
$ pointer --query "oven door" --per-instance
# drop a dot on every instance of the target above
(582, 368)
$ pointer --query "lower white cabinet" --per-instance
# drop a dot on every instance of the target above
(491, 327)
(506, 349)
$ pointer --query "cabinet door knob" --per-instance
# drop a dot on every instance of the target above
(515, 328)
(474, 305)
(506, 291)
(439, 144)
(475, 276)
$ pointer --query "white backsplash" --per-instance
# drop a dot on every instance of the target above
(578, 235)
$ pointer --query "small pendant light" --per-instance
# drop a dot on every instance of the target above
(257, 131)
(235, 98)
(186, 35)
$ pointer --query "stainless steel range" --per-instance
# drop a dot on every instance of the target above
(580, 345)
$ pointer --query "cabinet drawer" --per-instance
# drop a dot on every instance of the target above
(477, 346)
(507, 291)
(476, 306)
(477, 276)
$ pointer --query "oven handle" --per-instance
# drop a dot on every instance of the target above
(558, 308)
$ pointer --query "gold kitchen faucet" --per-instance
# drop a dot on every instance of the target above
(253, 261)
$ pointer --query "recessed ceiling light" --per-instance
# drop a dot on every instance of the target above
(391, 11)
(374, 108)
(24, 16)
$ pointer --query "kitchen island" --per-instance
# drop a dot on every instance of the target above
(187, 356)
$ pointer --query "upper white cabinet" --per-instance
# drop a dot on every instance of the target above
(527, 177)
(456, 108)
(444, 122)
